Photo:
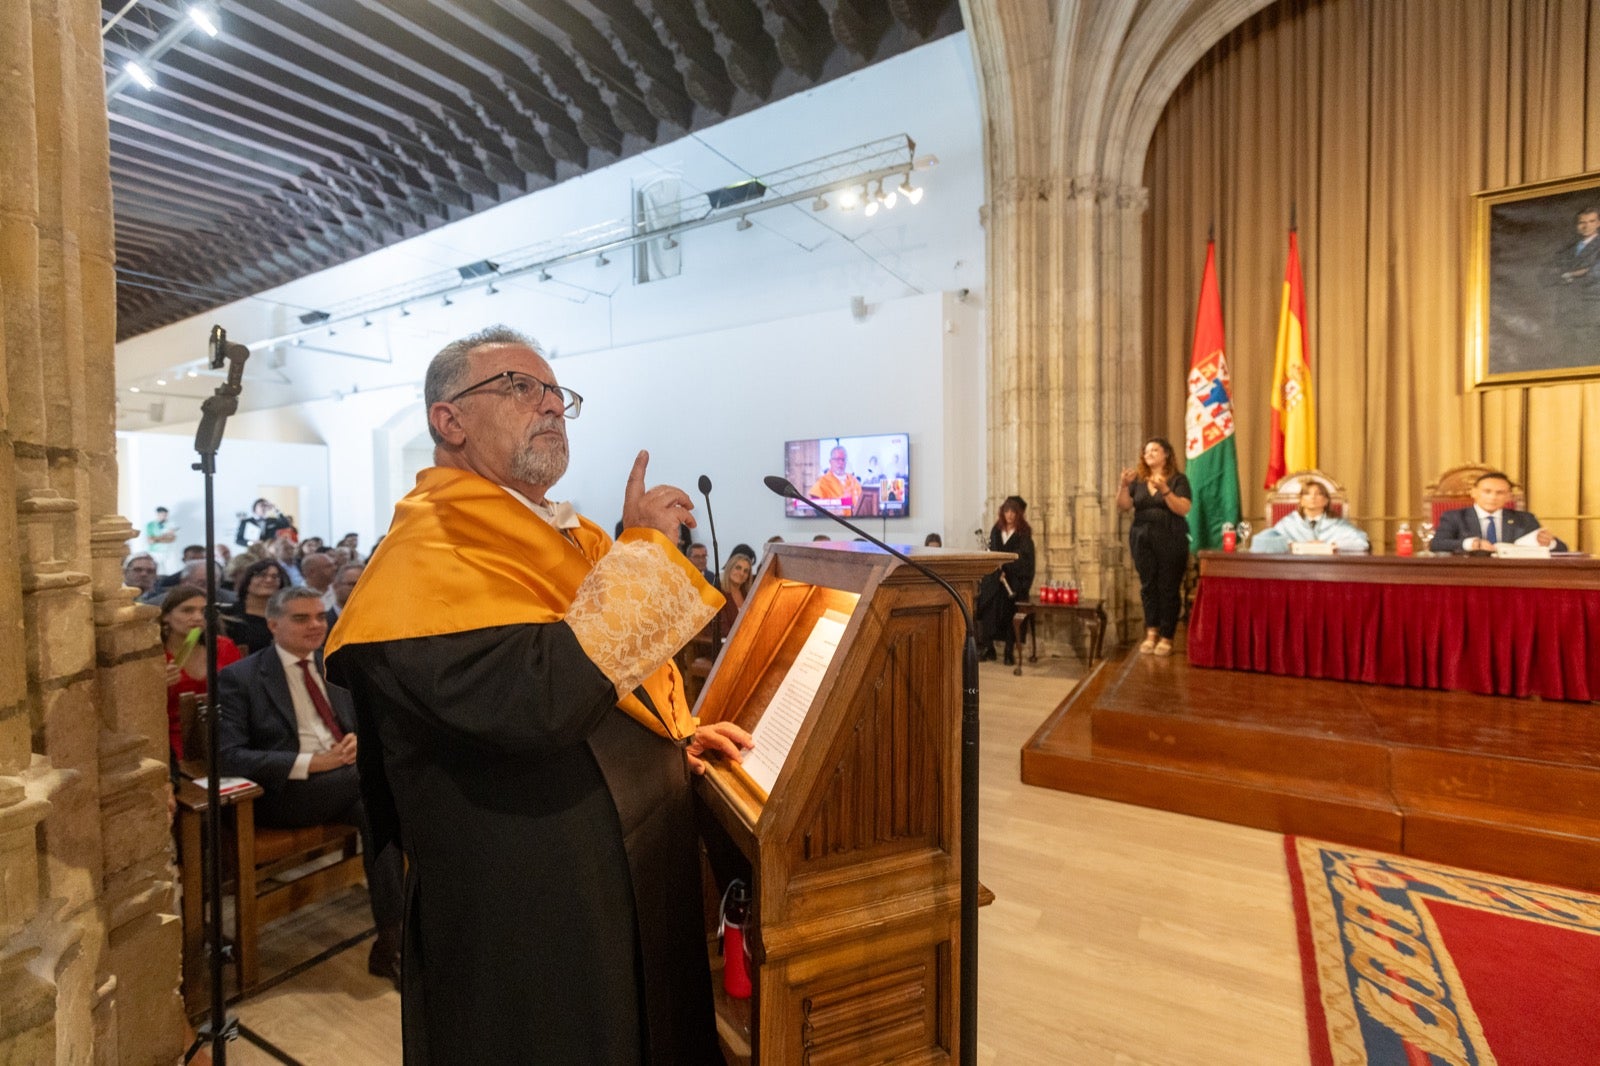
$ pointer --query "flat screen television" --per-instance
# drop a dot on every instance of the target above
(853, 477)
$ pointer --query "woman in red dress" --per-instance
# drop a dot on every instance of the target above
(183, 620)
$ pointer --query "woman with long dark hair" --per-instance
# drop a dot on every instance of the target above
(1158, 495)
(247, 619)
(183, 638)
(998, 593)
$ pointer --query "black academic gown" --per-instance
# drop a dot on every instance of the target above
(553, 857)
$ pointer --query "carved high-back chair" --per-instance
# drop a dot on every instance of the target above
(1284, 497)
(1453, 491)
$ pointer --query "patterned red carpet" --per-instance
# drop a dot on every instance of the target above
(1408, 963)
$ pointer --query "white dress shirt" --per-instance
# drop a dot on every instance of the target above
(314, 736)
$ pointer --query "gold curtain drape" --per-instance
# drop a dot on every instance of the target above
(1375, 122)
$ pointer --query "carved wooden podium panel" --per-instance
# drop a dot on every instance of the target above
(854, 856)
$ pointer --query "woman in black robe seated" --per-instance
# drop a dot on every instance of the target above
(999, 592)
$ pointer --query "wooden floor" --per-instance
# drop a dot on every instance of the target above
(1120, 936)
(1508, 786)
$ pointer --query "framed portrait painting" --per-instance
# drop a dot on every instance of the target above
(1536, 283)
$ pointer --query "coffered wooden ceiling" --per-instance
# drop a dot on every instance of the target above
(309, 132)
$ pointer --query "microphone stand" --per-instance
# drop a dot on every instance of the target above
(969, 776)
(716, 563)
(214, 412)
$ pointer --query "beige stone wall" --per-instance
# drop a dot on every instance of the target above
(89, 948)
(1071, 94)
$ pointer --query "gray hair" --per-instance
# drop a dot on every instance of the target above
(136, 557)
(278, 606)
(447, 373)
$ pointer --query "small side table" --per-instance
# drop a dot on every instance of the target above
(1023, 623)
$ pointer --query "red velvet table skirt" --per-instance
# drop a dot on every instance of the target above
(1495, 641)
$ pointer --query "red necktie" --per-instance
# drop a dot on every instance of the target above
(320, 701)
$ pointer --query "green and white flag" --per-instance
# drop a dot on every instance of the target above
(1208, 421)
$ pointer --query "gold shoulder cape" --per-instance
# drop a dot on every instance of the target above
(464, 554)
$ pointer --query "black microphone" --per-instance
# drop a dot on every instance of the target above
(716, 554)
(969, 772)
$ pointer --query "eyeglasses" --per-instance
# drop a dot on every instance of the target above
(528, 391)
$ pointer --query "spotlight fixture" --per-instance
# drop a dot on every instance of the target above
(913, 194)
(204, 20)
(477, 270)
(405, 312)
(311, 318)
(161, 381)
(544, 275)
(133, 388)
(820, 203)
(366, 321)
(889, 198)
(137, 73)
(670, 242)
(192, 374)
(849, 199)
(491, 290)
(744, 223)
(447, 301)
(601, 260)
(874, 201)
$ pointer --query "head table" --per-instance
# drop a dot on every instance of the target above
(1506, 627)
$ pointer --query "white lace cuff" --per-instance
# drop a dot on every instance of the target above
(641, 603)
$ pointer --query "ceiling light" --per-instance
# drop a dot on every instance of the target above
(161, 381)
(133, 388)
(192, 374)
(405, 312)
(447, 301)
(889, 199)
(601, 260)
(849, 199)
(913, 195)
(491, 290)
(477, 270)
(820, 203)
(311, 318)
(544, 275)
(136, 72)
(670, 242)
(737, 193)
(872, 208)
(202, 18)
(744, 223)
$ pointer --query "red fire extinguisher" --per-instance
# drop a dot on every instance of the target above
(735, 955)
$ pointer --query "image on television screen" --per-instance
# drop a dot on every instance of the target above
(854, 477)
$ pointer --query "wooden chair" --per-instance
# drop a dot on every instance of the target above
(1453, 491)
(265, 865)
(1284, 497)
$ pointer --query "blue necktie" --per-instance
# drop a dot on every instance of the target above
(1490, 534)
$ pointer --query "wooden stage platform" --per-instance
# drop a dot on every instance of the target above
(1501, 785)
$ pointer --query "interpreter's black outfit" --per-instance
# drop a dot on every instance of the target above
(997, 605)
(1159, 541)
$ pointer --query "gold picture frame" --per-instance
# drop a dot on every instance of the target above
(1535, 297)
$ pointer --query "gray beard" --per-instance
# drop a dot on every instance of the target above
(542, 460)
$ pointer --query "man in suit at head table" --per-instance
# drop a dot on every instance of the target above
(1488, 521)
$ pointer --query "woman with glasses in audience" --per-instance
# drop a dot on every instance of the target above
(183, 637)
(247, 619)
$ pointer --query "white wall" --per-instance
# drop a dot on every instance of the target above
(156, 470)
(721, 403)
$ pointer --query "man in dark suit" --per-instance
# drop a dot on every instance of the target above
(282, 725)
(1488, 521)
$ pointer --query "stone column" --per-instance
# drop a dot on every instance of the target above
(88, 945)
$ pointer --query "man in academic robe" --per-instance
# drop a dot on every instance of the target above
(1488, 521)
(284, 727)
(527, 740)
(837, 483)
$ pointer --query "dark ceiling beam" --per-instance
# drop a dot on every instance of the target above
(340, 63)
(742, 42)
(859, 25)
(921, 17)
(694, 53)
(637, 46)
(799, 29)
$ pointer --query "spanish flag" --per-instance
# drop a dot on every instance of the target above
(1294, 408)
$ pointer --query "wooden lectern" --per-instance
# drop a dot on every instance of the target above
(854, 857)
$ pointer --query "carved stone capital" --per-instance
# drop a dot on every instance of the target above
(1090, 187)
(1135, 198)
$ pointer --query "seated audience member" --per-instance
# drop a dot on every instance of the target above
(283, 549)
(1488, 521)
(744, 550)
(774, 539)
(737, 580)
(933, 540)
(821, 536)
(183, 637)
(139, 571)
(1311, 521)
(344, 582)
(697, 556)
(999, 592)
(351, 542)
(191, 553)
(247, 618)
(285, 727)
(318, 569)
(193, 573)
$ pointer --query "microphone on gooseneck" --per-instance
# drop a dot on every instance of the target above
(716, 553)
(968, 982)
